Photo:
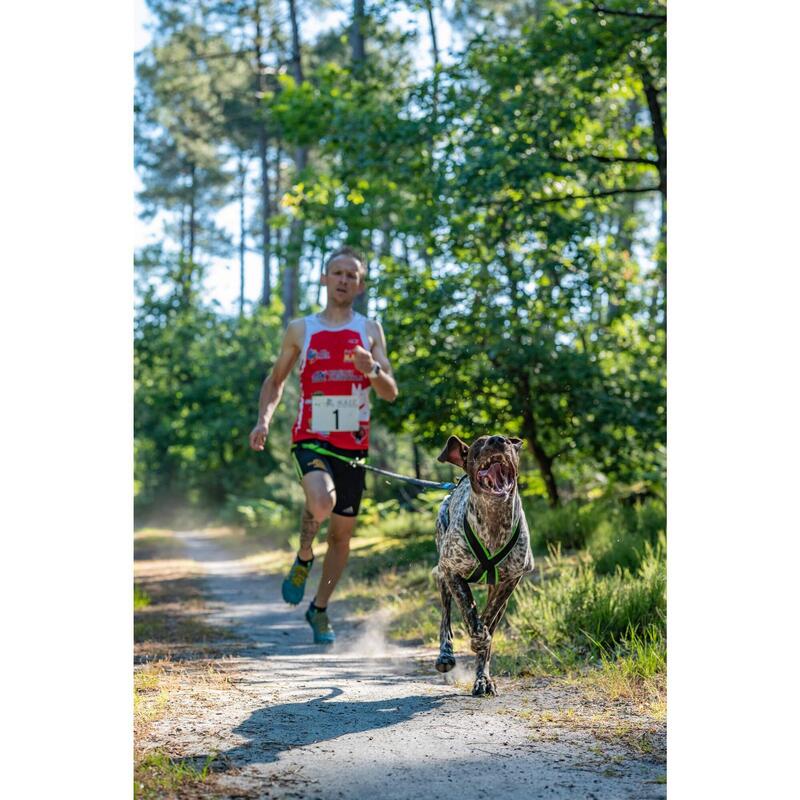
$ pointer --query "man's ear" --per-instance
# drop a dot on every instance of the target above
(516, 442)
(455, 451)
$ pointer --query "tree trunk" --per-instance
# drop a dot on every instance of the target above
(291, 275)
(435, 53)
(266, 241)
(192, 214)
(242, 186)
(323, 254)
(660, 140)
(357, 36)
(545, 462)
(361, 303)
(659, 134)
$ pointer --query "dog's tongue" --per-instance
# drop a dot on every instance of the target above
(495, 474)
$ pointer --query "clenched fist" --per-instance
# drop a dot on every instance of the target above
(363, 359)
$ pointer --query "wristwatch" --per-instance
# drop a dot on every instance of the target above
(375, 371)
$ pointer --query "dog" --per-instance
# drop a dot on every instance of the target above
(481, 535)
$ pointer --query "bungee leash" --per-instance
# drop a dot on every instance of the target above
(359, 462)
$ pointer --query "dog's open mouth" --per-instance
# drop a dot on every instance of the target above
(497, 478)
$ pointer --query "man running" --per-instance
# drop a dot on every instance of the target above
(343, 355)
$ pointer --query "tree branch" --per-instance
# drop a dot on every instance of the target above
(619, 13)
(622, 159)
(607, 159)
(592, 195)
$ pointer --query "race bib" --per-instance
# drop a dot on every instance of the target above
(334, 413)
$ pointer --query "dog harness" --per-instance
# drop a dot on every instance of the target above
(486, 571)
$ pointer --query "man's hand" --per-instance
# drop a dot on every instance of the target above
(363, 359)
(258, 436)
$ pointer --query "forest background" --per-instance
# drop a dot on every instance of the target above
(509, 195)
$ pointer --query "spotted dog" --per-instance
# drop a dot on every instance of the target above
(481, 536)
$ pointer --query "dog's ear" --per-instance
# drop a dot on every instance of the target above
(516, 442)
(455, 451)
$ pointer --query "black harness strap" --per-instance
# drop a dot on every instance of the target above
(488, 563)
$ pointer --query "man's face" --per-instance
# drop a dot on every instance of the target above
(343, 281)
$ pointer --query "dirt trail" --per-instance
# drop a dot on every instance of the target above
(367, 719)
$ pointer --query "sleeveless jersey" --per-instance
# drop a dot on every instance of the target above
(334, 395)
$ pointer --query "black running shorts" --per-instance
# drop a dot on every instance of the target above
(348, 481)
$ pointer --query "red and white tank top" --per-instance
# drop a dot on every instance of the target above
(334, 395)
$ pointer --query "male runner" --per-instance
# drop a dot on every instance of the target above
(342, 354)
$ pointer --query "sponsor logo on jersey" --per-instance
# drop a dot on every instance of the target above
(317, 355)
(322, 375)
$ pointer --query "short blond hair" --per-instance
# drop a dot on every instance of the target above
(348, 252)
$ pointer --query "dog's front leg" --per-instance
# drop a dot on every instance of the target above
(446, 660)
(496, 604)
(497, 601)
(480, 638)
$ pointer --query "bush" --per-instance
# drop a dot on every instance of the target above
(581, 611)
(621, 539)
(568, 527)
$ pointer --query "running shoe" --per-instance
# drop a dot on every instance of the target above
(320, 624)
(294, 584)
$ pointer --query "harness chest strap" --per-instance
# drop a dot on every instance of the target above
(488, 563)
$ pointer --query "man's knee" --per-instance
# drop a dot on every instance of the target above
(339, 538)
(321, 505)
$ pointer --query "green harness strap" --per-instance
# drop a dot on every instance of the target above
(488, 563)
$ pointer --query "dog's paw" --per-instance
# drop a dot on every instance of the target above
(481, 641)
(484, 687)
(445, 662)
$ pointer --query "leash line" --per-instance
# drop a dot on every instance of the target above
(359, 462)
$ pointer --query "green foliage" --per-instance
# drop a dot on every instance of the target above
(569, 527)
(141, 599)
(615, 534)
(506, 204)
(622, 539)
(197, 378)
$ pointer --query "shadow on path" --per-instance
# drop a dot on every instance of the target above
(275, 729)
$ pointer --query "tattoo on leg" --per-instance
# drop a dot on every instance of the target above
(308, 529)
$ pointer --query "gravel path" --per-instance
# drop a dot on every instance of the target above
(367, 719)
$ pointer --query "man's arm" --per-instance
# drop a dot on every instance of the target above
(384, 383)
(272, 388)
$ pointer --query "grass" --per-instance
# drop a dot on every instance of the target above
(141, 599)
(157, 773)
(151, 689)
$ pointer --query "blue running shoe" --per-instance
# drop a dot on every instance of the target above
(294, 584)
(318, 620)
